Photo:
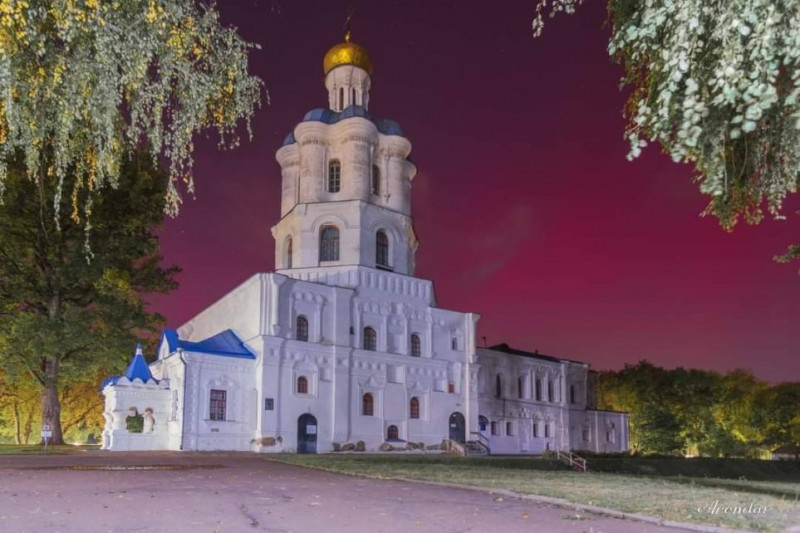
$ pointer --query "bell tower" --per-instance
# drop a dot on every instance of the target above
(346, 180)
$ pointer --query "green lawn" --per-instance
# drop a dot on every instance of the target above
(673, 498)
(32, 449)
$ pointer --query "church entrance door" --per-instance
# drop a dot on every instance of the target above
(307, 434)
(457, 427)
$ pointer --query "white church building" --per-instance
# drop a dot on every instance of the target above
(342, 347)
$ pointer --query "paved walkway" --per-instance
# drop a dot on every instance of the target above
(238, 492)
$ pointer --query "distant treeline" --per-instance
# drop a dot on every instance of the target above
(699, 412)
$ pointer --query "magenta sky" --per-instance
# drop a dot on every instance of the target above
(527, 211)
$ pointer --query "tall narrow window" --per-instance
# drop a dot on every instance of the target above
(451, 387)
(392, 433)
(538, 390)
(289, 252)
(302, 329)
(454, 343)
(510, 429)
(547, 430)
(341, 98)
(334, 175)
(498, 386)
(520, 387)
(381, 249)
(302, 385)
(550, 396)
(572, 394)
(535, 429)
(366, 405)
(370, 339)
(376, 180)
(416, 345)
(329, 243)
(216, 408)
(353, 96)
(413, 408)
(493, 426)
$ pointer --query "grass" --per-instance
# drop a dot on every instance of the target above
(669, 497)
(35, 449)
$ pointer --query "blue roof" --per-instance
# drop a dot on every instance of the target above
(328, 116)
(137, 369)
(225, 343)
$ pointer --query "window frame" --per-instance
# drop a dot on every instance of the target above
(382, 248)
(218, 405)
(329, 244)
(301, 385)
(413, 408)
(333, 182)
(369, 341)
(416, 345)
(367, 404)
(375, 180)
(392, 432)
(301, 328)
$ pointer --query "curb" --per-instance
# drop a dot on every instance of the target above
(603, 511)
(566, 504)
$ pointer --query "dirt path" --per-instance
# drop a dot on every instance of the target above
(231, 492)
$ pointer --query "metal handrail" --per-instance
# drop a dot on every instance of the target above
(573, 459)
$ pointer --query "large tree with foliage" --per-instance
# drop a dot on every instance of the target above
(717, 85)
(63, 317)
(82, 82)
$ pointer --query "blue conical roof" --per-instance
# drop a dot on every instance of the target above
(137, 368)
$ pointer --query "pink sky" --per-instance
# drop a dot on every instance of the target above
(527, 211)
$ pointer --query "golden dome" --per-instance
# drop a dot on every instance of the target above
(347, 53)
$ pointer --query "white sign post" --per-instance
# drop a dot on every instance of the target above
(47, 432)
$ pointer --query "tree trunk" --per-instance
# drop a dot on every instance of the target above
(17, 425)
(26, 432)
(51, 405)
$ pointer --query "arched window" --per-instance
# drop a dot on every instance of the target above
(353, 96)
(520, 387)
(483, 422)
(370, 339)
(381, 249)
(550, 396)
(302, 385)
(289, 253)
(329, 243)
(334, 175)
(302, 329)
(538, 390)
(341, 98)
(376, 180)
(498, 386)
(392, 433)
(416, 345)
(366, 405)
(413, 408)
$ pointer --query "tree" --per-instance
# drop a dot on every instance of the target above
(781, 416)
(63, 317)
(717, 85)
(84, 82)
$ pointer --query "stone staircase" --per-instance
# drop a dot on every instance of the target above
(474, 447)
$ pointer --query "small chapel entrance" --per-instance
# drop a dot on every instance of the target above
(307, 434)
(457, 427)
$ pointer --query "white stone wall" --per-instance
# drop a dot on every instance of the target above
(127, 398)
(524, 423)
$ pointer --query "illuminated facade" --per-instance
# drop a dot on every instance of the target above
(342, 347)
